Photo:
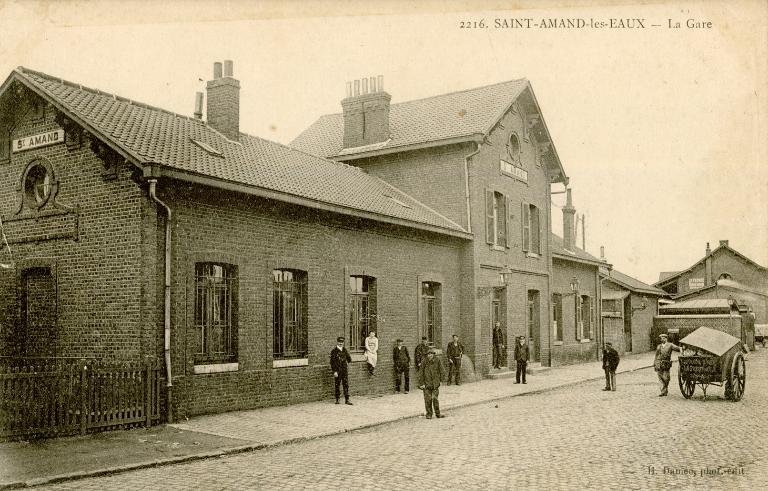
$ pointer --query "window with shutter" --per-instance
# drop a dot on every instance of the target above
(500, 222)
(526, 220)
(508, 222)
(489, 219)
(535, 230)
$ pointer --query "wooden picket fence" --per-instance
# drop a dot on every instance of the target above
(65, 397)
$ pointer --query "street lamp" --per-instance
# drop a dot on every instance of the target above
(506, 275)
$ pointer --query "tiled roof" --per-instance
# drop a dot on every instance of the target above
(442, 117)
(709, 305)
(576, 253)
(632, 283)
(667, 274)
(154, 136)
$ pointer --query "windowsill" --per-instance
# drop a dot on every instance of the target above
(495, 247)
(290, 362)
(533, 255)
(557, 343)
(217, 368)
(357, 357)
(585, 341)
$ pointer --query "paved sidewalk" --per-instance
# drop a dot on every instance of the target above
(24, 464)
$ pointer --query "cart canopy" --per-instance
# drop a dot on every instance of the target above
(711, 340)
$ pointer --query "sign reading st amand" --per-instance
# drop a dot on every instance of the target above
(39, 140)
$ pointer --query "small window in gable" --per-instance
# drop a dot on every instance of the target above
(513, 147)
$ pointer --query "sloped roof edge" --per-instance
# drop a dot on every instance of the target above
(718, 248)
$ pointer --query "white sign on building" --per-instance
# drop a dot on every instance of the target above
(40, 140)
(695, 283)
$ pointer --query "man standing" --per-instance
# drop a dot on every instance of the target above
(610, 364)
(340, 360)
(498, 345)
(430, 375)
(402, 364)
(421, 352)
(521, 357)
(454, 352)
(663, 362)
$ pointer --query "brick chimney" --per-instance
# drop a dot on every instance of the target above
(366, 112)
(568, 222)
(223, 101)
(708, 267)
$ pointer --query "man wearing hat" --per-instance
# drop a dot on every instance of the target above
(663, 362)
(521, 357)
(421, 352)
(610, 364)
(340, 359)
(430, 375)
(402, 363)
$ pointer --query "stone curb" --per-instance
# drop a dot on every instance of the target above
(73, 476)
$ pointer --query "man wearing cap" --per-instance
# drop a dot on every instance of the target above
(521, 359)
(430, 375)
(610, 364)
(421, 352)
(402, 363)
(663, 362)
(454, 352)
(340, 359)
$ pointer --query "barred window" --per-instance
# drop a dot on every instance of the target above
(586, 317)
(216, 312)
(289, 313)
(362, 310)
(431, 312)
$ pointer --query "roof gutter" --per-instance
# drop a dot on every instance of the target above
(297, 200)
(167, 300)
(473, 137)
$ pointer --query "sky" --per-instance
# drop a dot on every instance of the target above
(662, 131)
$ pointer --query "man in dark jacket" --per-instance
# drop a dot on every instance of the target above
(430, 375)
(402, 363)
(421, 352)
(498, 345)
(454, 352)
(340, 359)
(610, 364)
(521, 357)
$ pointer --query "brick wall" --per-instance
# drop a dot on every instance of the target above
(259, 236)
(724, 261)
(684, 325)
(570, 349)
(88, 237)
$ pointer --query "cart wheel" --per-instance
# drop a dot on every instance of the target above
(686, 386)
(737, 379)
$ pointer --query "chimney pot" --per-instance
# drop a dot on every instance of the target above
(349, 89)
(198, 105)
(602, 253)
(373, 85)
(228, 68)
(216, 70)
(365, 86)
(357, 88)
(380, 83)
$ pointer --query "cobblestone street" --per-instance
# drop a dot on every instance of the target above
(570, 438)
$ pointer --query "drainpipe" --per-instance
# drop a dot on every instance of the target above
(466, 185)
(167, 301)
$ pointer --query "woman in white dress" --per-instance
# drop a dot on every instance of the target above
(371, 350)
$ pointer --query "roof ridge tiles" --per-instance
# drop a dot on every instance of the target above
(445, 94)
(24, 70)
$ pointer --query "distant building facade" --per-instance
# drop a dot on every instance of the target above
(722, 273)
